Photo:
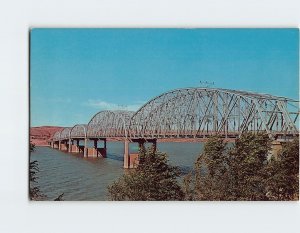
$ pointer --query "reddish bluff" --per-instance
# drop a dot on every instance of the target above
(40, 135)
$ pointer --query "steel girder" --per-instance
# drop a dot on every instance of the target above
(198, 112)
(109, 124)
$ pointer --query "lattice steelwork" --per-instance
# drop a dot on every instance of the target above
(109, 124)
(79, 131)
(198, 112)
(65, 133)
(56, 136)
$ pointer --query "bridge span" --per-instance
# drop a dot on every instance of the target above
(195, 113)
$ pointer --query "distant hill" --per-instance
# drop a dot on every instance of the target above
(40, 135)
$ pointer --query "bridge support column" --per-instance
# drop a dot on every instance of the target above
(63, 145)
(131, 160)
(92, 152)
(276, 147)
(154, 143)
(95, 148)
(85, 148)
(77, 146)
(70, 145)
(59, 145)
(102, 150)
(126, 154)
(73, 147)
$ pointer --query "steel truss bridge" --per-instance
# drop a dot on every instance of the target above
(193, 113)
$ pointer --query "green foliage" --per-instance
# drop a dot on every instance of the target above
(246, 163)
(33, 170)
(244, 172)
(210, 169)
(31, 147)
(34, 190)
(282, 181)
(152, 180)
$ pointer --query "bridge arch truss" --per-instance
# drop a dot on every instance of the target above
(79, 131)
(109, 124)
(65, 133)
(56, 136)
(198, 112)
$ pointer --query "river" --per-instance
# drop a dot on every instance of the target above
(87, 178)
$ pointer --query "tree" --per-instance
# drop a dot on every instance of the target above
(34, 190)
(283, 174)
(210, 169)
(153, 180)
(31, 147)
(246, 163)
(237, 173)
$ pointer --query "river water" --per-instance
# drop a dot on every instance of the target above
(87, 178)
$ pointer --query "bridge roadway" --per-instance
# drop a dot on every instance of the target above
(195, 113)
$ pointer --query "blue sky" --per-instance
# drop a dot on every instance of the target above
(74, 73)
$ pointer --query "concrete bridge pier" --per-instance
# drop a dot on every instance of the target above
(77, 146)
(126, 154)
(102, 150)
(95, 152)
(154, 144)
(84, 148)
(131, 160)
(55, 144)
(74, 148)
(276, 147)
(70, 145)
(60, 145)
(92, 152)
(63, 145)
